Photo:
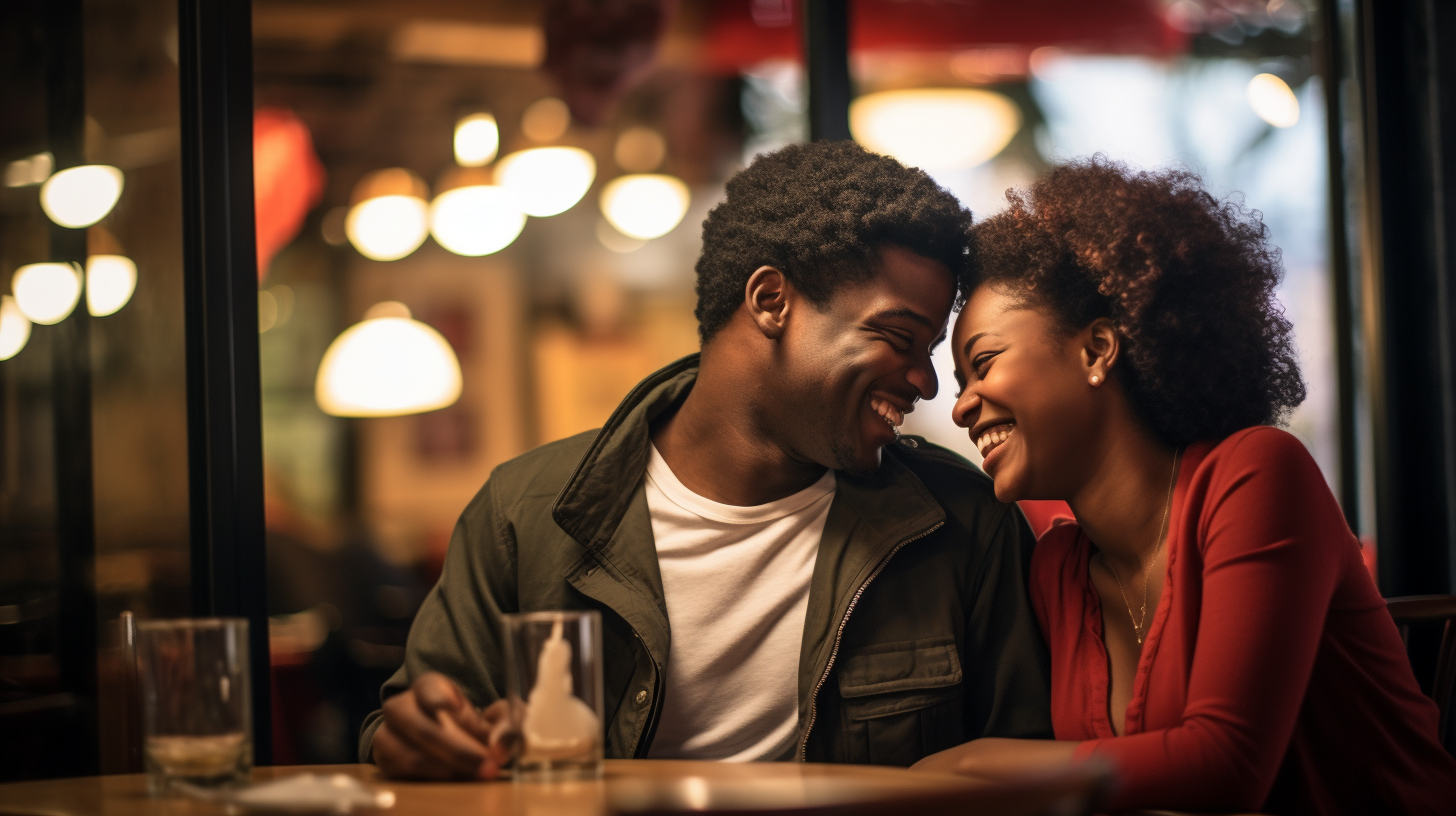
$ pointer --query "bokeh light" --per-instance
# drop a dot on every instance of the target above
(1273, 101)
(546, 120)
(645, 206)
(80, 196)
(46, 292)
(110, 282)
(476, 220)
(14, 328)
(387, 365)
(939, 128)
(547, 180)
(477, 138)
(639, 150)
(387, 228)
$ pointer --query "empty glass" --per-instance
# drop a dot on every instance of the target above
(196, 707)
(554, 683)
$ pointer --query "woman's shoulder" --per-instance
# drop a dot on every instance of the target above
(1262, 451)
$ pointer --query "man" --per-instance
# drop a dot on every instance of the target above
(778, 576)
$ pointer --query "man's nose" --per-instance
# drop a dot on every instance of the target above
(922, 377)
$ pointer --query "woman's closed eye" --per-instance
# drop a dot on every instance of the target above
(981, 362)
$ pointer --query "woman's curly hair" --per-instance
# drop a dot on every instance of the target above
(1188, 281)
(820, 213)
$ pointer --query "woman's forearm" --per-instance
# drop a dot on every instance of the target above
(997, 758)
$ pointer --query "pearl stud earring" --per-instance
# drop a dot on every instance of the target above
(1095, 379)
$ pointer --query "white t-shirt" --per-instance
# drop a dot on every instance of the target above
(736, 581)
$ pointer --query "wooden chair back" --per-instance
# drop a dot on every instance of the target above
(1419, 609)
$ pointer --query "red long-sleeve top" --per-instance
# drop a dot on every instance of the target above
(1272, 677)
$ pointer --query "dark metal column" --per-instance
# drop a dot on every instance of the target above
(1407, 287)
(71, 394)
(225, 434)
(1339, 72)
(826, 50)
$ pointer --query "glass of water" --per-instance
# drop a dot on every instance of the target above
(554, 682)
(196, 704)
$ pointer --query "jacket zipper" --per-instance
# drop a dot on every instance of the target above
(649, 730)
(834, 653)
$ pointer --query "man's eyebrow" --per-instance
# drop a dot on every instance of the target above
(908, 314)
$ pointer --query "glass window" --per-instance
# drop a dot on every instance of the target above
(395, 129)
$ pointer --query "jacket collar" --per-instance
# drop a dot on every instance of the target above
(600, 491)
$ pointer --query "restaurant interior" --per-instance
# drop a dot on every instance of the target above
(221, 223)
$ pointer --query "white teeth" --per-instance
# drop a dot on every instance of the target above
(892, 415)
(992, 437)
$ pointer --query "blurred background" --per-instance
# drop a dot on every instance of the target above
(494, 207)
(552, 326)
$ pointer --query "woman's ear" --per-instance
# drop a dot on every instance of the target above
(1101, 345)
(767, 296)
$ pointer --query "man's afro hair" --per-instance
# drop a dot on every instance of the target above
(820, 213)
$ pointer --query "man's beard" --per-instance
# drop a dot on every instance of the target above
(846, 461)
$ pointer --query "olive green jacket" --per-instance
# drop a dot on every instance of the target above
(919, 635)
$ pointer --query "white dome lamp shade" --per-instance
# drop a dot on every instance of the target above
(80, 196)
(477, 138)
(937, 128)
(473, 217)
(46, 293)
(388, 365)
(547, 180)
(110, 282)
(645, 206)
(14, 328)
(388, 218)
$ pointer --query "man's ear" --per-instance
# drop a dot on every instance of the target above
(1101, 348)
(767, 296)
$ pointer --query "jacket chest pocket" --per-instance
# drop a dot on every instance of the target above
(901, 701)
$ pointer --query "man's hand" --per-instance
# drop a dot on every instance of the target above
(431, 731)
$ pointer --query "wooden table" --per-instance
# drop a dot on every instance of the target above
(627, 786)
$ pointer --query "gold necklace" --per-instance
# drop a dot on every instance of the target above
(1137, 623)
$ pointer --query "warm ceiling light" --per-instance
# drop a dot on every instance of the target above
(387, 228)
(1273, 101)
(14, 328)
(935, 127)
(547, 180)
(388, 365)
(388, 218)
(645, 206)
(110, 281)
(476, 220)
(477, 138)
(46, 292)
(639, 150)
(80, 196)
(546, 120)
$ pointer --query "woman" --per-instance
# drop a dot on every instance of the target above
(1213, 631)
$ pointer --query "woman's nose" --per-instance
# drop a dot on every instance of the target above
(968, 404)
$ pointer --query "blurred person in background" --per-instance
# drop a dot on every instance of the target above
(778, 576)
(1213, 630)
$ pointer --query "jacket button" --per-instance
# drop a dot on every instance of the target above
(641, 697)
(591, 572)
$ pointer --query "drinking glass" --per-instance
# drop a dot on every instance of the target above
(554, 683)
(196, 706)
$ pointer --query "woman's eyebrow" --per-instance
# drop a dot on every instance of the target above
(966, 349)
